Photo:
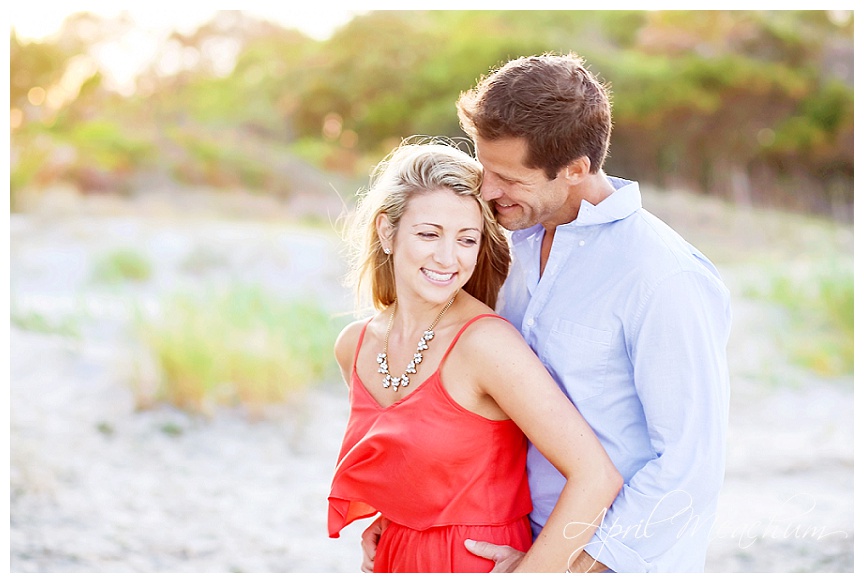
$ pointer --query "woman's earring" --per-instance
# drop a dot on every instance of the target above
(387, 251)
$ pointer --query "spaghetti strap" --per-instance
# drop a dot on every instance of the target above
(359, 344)
(465, 327)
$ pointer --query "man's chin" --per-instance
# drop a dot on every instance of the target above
(509, 223)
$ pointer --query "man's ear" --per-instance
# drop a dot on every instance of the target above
(577, 170)
(385, 231)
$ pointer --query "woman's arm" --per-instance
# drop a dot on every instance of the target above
(508, 371)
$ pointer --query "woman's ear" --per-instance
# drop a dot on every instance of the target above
(385, 232)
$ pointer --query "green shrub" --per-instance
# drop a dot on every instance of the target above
(313, 150)
(122, 265)
(38, 322)
(820, 305)
(108, 145)
(240, 347)
(29, 158)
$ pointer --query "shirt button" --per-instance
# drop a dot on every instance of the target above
(581, 243)
(530, 321)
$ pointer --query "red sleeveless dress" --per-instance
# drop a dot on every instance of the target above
(438, 472)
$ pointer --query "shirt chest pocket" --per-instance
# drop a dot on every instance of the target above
(577, 356)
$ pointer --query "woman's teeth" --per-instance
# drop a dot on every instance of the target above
(435, 276)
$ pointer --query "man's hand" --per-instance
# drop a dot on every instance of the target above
(585, 563)
(506, 558)
(369, 543)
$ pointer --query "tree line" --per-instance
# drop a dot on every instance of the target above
(753, 106)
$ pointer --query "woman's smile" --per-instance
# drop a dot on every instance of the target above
(435, 248)
(437, 276)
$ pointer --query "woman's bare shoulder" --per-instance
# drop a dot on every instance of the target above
(491, 342)
(491, 332)
(346, 342)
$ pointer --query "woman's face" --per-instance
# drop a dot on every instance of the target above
(436, 245)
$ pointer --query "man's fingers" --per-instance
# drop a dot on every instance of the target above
(488, 550)
(369, 545)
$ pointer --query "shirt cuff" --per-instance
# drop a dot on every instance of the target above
(617, 556)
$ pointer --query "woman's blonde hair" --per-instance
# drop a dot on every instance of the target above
(413, 168)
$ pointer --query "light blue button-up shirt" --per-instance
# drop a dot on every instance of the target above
(632, 322)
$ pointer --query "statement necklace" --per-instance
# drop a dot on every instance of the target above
(428, 335)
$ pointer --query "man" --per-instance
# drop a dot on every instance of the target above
(630, 319)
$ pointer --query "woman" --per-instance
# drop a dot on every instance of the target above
(438, 446)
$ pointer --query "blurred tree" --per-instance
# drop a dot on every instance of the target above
(33, 65)
(712, 101)
(363, 75)
(756, 106)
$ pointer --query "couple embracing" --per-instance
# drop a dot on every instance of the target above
(543, 386)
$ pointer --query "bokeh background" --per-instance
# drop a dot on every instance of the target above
(177, 178)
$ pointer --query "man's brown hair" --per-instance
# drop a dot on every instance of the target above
(553, 101)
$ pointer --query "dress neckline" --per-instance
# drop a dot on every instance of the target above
(416, 389)
(434, 375)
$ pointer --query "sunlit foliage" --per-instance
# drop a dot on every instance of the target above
(754, 106)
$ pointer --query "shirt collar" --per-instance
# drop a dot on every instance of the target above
(624, 201)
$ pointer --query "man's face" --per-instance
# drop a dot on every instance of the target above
(521, 196)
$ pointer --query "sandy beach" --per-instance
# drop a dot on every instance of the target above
(99, 486)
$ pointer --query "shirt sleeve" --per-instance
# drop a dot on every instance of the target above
(677, 344)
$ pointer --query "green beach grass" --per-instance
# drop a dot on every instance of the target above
(240, 347)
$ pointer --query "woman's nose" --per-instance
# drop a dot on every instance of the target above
(445, 253)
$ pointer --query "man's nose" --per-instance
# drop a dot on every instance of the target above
(490, 189)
